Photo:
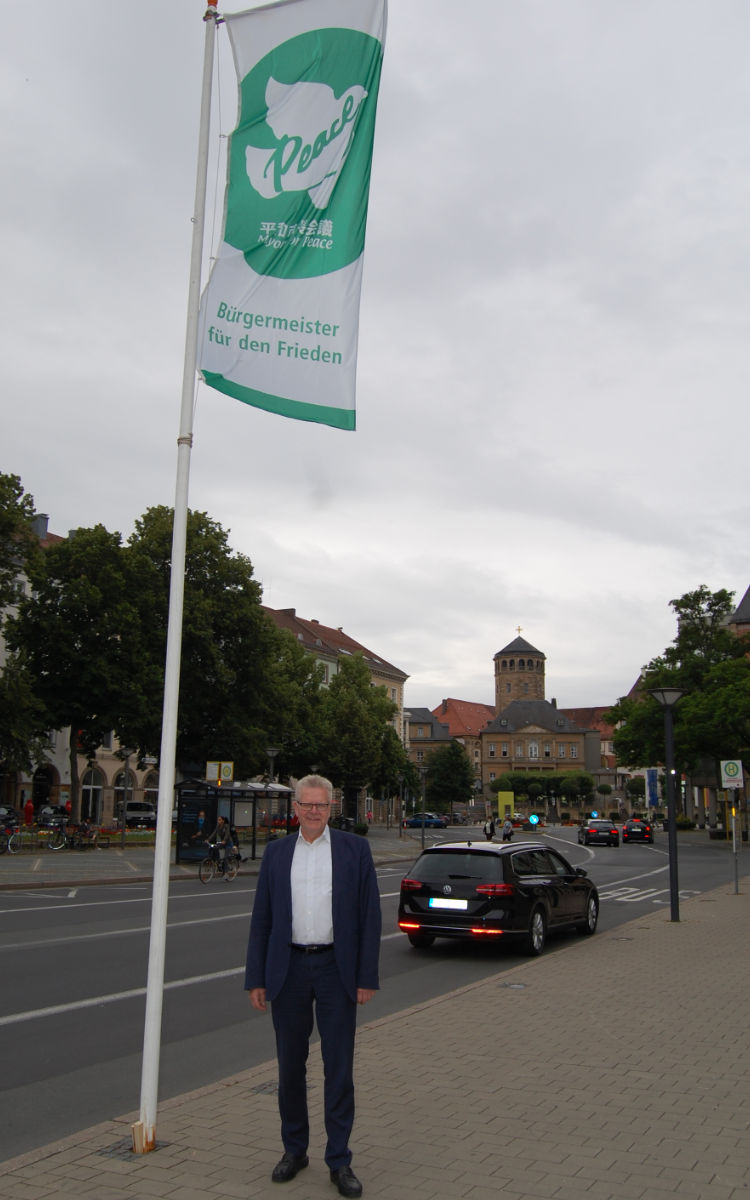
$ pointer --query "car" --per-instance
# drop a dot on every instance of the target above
(598, 831)
(459, 818)
(138, 814)
(51, 815)
(637, 831)
(490, 892)
(428, 819)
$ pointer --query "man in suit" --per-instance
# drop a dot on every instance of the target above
(313, 947)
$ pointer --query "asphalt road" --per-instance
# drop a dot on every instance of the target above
(74, 967)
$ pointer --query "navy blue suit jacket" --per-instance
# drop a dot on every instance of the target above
(356, 915)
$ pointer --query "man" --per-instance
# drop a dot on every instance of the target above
(314, 944)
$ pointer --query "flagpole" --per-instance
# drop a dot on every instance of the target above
(144, 1130)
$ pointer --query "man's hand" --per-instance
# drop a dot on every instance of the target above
(258, 998)
(363, 995)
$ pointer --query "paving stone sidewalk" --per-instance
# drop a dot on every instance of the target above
(612, 1069)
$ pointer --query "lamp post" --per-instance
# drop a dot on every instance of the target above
(271, 752)
(423, 777)
(125, 753)
(668, 697)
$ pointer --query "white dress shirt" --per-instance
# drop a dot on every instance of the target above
(312, 891)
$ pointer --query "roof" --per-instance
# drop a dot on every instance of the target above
(519, 645)
(591, 718)
(423, 716)
(741, 614)
(324, 639)
(464, 717)
(519, 714)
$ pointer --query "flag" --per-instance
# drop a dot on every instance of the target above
(279, 319)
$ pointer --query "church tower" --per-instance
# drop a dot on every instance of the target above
(519, 673)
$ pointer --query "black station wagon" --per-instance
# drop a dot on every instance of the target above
(490, 892)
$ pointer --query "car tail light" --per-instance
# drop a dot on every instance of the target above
(411, 885)
(495, 889)
(647, 828)
(493, 932)
(409, 925)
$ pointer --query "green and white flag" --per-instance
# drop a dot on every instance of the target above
(280, 313)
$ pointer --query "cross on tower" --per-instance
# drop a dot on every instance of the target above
(518, 630)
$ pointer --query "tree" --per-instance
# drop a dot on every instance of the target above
(78, 634)
(711, 665)
(19, 545)
(450, 777)
(354, 715)
(394, 766)
(232, 663)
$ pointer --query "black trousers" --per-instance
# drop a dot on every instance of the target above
(313, 991)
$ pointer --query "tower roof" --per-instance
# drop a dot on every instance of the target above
(519, 645)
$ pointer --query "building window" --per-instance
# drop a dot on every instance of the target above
(107, 741)
(560, 750)
(507, 689)
(504, 665)
(504, 750)
(491, 749)
(547, 750)
(519, 749)
(512, 665)
(420, 756)
(492, 776)
(420, 731)
(526, 689)
(533, 749)
(573, 750)
(521, 664)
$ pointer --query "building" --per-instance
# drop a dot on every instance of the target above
(466, 720)
(328, 645)
(425, 734)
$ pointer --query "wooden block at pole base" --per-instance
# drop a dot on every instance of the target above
(144, 1140)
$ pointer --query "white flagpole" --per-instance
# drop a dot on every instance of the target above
(144, 1130)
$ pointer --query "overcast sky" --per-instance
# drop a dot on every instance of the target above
(554, 345)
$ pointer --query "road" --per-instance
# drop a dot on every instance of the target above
(74, 966)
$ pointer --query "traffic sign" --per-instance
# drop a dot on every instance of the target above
(534, 819)
(731, 773)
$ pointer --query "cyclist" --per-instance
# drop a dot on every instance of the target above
(221, 840)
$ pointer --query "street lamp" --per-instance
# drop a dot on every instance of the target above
(668, 697)
(271, 752)
(423, 777)
(125, 753)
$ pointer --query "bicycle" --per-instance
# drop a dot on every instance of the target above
(212, 865)
(21, 838)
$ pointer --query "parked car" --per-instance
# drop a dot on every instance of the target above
(10, 817)
(637, 831)
(598, 831)
(138, 814)
(428, 819)
(51, 815)
(459, 818)
(489, 891)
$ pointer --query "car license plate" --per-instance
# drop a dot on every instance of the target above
(437, 902)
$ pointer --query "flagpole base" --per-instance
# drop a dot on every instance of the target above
(144, 1140)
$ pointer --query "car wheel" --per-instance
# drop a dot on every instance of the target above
(537, 933)
(588, 926)
(421, 941)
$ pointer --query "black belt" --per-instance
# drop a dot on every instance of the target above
(311, 949)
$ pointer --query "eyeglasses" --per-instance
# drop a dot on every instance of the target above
(305, 805)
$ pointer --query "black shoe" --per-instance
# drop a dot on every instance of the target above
(346, 1181)
(288, 1166)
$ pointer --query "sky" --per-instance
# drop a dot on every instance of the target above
(554, 350)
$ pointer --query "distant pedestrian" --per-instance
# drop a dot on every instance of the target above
(489, 829)
(507, 829)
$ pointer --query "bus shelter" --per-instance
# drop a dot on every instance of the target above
(250, 809)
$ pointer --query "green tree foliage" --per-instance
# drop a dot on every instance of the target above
(293, 679)
(394, 769)
(19, 545)
(450, 777)
(232, 663)
(78, 634)
(354, 716)
(23, 725)
(706, 660)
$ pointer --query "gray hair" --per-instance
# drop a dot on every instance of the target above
(313, 781)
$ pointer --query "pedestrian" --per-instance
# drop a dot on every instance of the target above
(489, 829)
(313, 949)
(507, 829)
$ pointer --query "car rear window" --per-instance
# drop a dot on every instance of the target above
(601, 824)
(456, 864)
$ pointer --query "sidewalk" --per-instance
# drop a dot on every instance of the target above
(614, 1069)
(134, 864)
